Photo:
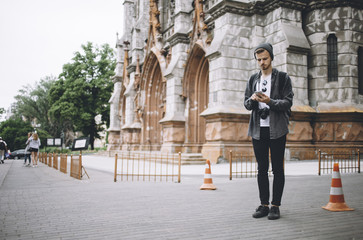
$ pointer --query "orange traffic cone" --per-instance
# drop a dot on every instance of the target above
(336, 201)
(208, 182)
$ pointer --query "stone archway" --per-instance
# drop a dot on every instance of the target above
(154, 107)
(196, 93)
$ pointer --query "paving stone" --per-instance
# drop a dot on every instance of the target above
(43, 203)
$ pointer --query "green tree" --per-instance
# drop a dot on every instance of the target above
(15, 133)
(2, 111)
(32, 102)
(83, 90)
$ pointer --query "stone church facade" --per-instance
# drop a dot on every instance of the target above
(183, 66)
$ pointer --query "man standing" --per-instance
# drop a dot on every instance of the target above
(269, 95)
(3, 149)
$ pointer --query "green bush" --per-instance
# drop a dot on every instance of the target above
(55, 150)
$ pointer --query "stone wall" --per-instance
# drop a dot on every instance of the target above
(324, 115)
(343, 22)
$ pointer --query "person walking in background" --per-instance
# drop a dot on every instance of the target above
(34, 144)
(27, 153)
(269, 95)
(3, 149)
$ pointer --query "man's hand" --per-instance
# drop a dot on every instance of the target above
(260, 97)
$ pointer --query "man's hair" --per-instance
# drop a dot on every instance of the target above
(260, 50)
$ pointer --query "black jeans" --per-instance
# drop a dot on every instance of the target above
(27, 156)
(261, 148)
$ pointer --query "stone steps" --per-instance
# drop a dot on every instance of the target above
(192, 159)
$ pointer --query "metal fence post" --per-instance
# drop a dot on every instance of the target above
(358, 161)
(319, 162)
(115, 175)
(230, 164)
(179, 167)
(71, 168)
(80, 165)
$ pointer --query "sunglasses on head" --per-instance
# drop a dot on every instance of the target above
(264, 83)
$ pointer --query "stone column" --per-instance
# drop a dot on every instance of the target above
(114, 130)
(174, 120)
(131, 129)
(291, 49)
(229, 65)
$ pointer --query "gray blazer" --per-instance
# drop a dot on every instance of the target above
(281, 101)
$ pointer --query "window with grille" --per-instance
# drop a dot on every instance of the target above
(332, 58)
(360, 70)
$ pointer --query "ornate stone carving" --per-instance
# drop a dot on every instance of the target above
(171, 7)
(125, 75)
(155, 27)
(199, 25)
(137, 74)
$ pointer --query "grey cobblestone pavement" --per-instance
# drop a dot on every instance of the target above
(43, 203)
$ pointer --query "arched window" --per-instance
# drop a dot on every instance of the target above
(332, 58)
(360, 70)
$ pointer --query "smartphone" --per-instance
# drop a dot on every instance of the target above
(259, 93)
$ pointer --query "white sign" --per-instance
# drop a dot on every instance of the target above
(50, 141)
(57, 141)
(80, 143)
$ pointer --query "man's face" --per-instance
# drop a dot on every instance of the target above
(264, 60)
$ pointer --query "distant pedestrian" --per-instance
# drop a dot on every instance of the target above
(269, 95)
(3, 149)
(27, 153)
(34, 144)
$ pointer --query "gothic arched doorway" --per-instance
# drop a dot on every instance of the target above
(154, 90)
(196, 92)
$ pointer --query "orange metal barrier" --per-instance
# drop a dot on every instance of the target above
(76, 167)
(41, 157)
(349, 161)
(63, 163)
(147, 165)
(55, 161)
(50, 160)
(243, 165)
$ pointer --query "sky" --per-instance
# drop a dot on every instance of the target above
(37, 37)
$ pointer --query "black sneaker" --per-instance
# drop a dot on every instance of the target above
(274, 213)
(261, 211)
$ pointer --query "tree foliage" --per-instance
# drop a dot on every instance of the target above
(33, 104)
(2, 112)
(15, 133)
(83, 90)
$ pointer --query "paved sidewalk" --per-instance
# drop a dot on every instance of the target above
(43, 203)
